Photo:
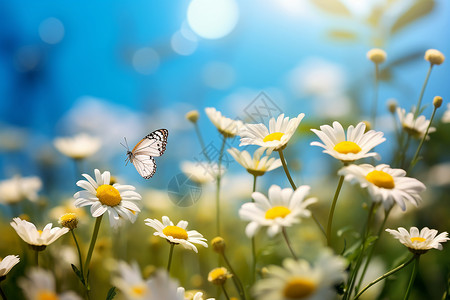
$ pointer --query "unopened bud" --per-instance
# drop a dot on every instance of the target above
(392, 106)
(69, 220)
(437, 101)
(376, 55)
(218, 244)
(435, 57)
(192, 116)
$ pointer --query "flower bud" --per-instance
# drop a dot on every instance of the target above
(218, 244)
(219, 276)
(435, 57)
(392, 106)
(437, 101)
(69, 220)
(376, 55)
(368, 126)
(192, 116)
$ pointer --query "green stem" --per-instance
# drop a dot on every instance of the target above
(404, 151)
(219, 177)
(202, 143)
(333, 206)
(92, 244)
(375, 98)
(413, 277)
(237, 282)
(415, 157)
(416, 113)
(172, 245)
(288, 243)
(253, 240)
(286, 170)
(79, 252)
(225, 292)
(383, 277)
(3, 294)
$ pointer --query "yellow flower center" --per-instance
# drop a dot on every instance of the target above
(277, 212)
(40, 232)
(108, 195)
(138, 290)
(176, 232)
(299, 288)
(346, 147)
(47, 295)
(418, 239)
(273, 136)
(381, 179)
(217, 273)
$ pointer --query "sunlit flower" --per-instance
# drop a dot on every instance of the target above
(38, 239)
(273, 138)
(446, 115)
(414, 127)
(355, 146)
(7, 264)
(302, 280)
(283, 208)
(219, 276)
(177, 234)
(226, 126)
(79, 146)
(256, 166)
(40, 284)
(18, 188)
(190, 295)
(419, 242)
(117, 199)
(385, 184)
(201, 171)
(130, 282)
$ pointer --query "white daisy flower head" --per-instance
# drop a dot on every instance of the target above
(117, 199)
(416, 127)
(130, 282)
(190, 295)
(419, 242)
(282, 208)
(298, 279)
(40, 284)
(18, 188)
(354, 146)
(446, 115)
(37, 239)
(226, 126)
(384, 184)
(255, 165)
(79, 146)
(177, 234)
(273, 138)
(7, 264)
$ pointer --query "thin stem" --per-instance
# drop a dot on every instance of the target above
(288, 243)
(384, 276)
(286, 170)
(375, 97)
(172, 245)
(253, 240)
(415, 157)
(237, 282)
(79, 252)
(3, 294)
(92, 244)
(202, 143)
(225, 292)
(416, 113)
(219, 177)
(404, 151)
(332, 208)
(413, 277)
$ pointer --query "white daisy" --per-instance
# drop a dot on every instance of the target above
(256, 166)
(161, 286)
(355, 146)
(275, 137)
(446, 115)
(419, 242)
(40, 284)
(79, 146)
(416, 127)
(177, 234)
(190, 295)
(37, 239)
(18, 188)
(201, 171)
(302, 280)
(283, 208)
(7, 264)
(226, 126)
(117, 199)
(130, 282)
(385, 184)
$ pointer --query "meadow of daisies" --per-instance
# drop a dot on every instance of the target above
(372, 229)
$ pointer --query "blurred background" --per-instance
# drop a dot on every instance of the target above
(116, 69)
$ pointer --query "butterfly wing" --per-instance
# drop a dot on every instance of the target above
(153, 144)
(145, 165)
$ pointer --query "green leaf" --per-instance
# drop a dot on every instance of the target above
(370, 240)
(419, 9)
(332, 6)
(111, 293)
(78, 273)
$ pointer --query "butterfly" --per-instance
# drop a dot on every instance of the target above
(153, 144)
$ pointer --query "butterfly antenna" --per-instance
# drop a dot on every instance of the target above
(126, 144)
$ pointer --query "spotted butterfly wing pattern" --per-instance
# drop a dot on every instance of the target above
(153, 144)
